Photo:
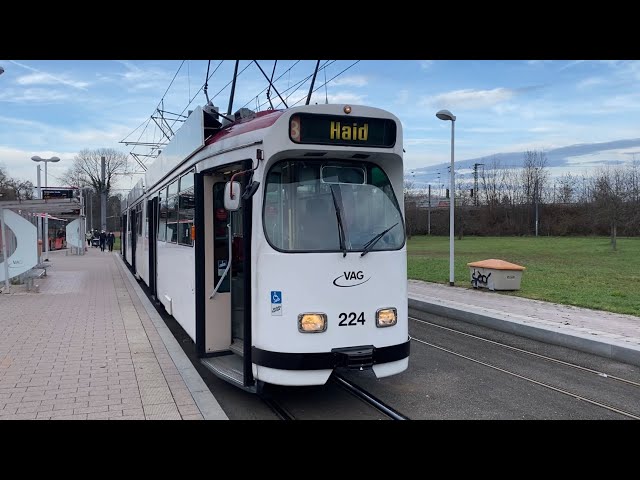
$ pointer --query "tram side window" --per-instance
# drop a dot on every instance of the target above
(139, 219)
(172, 212)
(146, 222)
(186, 209)
(162, 217)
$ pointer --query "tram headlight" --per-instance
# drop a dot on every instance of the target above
(386, 317)
(312, 322)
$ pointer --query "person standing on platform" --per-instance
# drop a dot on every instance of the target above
(88, 236)
(110, 239)
(103, 240)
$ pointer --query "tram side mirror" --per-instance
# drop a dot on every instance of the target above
(232, 203)
(250, 190)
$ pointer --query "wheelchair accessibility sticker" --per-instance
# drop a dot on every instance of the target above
(276, 302)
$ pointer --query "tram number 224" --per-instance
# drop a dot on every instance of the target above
(353, 318)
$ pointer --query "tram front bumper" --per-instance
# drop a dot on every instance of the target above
(360, 357)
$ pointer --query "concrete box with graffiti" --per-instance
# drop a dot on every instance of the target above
(495, 274)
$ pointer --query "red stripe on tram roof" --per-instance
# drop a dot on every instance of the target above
(261, 120)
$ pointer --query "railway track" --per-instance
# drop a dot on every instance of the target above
(506, 371)
(367, 398)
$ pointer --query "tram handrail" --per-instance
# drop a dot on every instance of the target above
(226, 270)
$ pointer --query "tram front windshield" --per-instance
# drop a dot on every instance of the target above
(326, 206)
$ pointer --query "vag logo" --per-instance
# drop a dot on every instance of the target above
(350, 279)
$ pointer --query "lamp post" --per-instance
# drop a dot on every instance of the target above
(447, 115)
(36, 158)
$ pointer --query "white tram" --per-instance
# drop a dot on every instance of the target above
(277, 241)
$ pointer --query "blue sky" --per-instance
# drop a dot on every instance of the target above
(58, 107)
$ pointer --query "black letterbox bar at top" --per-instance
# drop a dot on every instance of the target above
(342, 130)
(57, 193)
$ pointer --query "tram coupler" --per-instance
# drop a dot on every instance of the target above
(354, 358)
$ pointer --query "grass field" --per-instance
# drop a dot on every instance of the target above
(116, 244)
(583, 271)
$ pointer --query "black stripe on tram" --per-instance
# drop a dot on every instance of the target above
(325, 360)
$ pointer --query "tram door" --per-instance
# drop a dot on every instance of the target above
(229, 271)
(223, 338)
(152, 214)
(134, 230)
(123, 235)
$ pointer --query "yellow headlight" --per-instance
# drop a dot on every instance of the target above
(386, 317)
(312, 322)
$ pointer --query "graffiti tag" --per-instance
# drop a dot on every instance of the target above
(479, 280)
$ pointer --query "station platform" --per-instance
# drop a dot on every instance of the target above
(89, 345)
(610, 335)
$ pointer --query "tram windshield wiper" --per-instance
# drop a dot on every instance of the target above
(369, 245)
(341, 235)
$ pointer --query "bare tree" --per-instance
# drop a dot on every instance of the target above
(86, 169)
(462, 200)
(408, 186)
(534, 179)
(23, 189)
(4, 178)
(13, 188)
(610, 194)
(491, 182)
(567, 188)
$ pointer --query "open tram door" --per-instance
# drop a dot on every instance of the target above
(223, 304)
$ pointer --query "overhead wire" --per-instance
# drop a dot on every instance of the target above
(299, 83)
(325, 83)
(151, 116)
(296, 86)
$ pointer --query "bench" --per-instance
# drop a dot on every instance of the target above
(43, 266)
(31, 275)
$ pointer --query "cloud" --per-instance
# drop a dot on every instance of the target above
(351, 81)
(572, 64)
(591, 82)
(138, 78)
(401, 97)
(621, 103)
(543, 129)
(18, 165)
(21, 122)
(40, 77)
(425, 141)
(69, 138)
(425, 64)
(96, 136)
(468, 98)
(347, 97)
(486, 130)
(33, 95)
(624, 70)
(47, 79)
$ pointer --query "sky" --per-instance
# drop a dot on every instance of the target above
(582, 114)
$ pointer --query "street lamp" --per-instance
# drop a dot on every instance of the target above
(447, 115)
(36, 158)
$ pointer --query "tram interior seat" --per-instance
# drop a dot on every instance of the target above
(314, 230)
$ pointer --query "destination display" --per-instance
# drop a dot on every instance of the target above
(51, 193)
(342, 130)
